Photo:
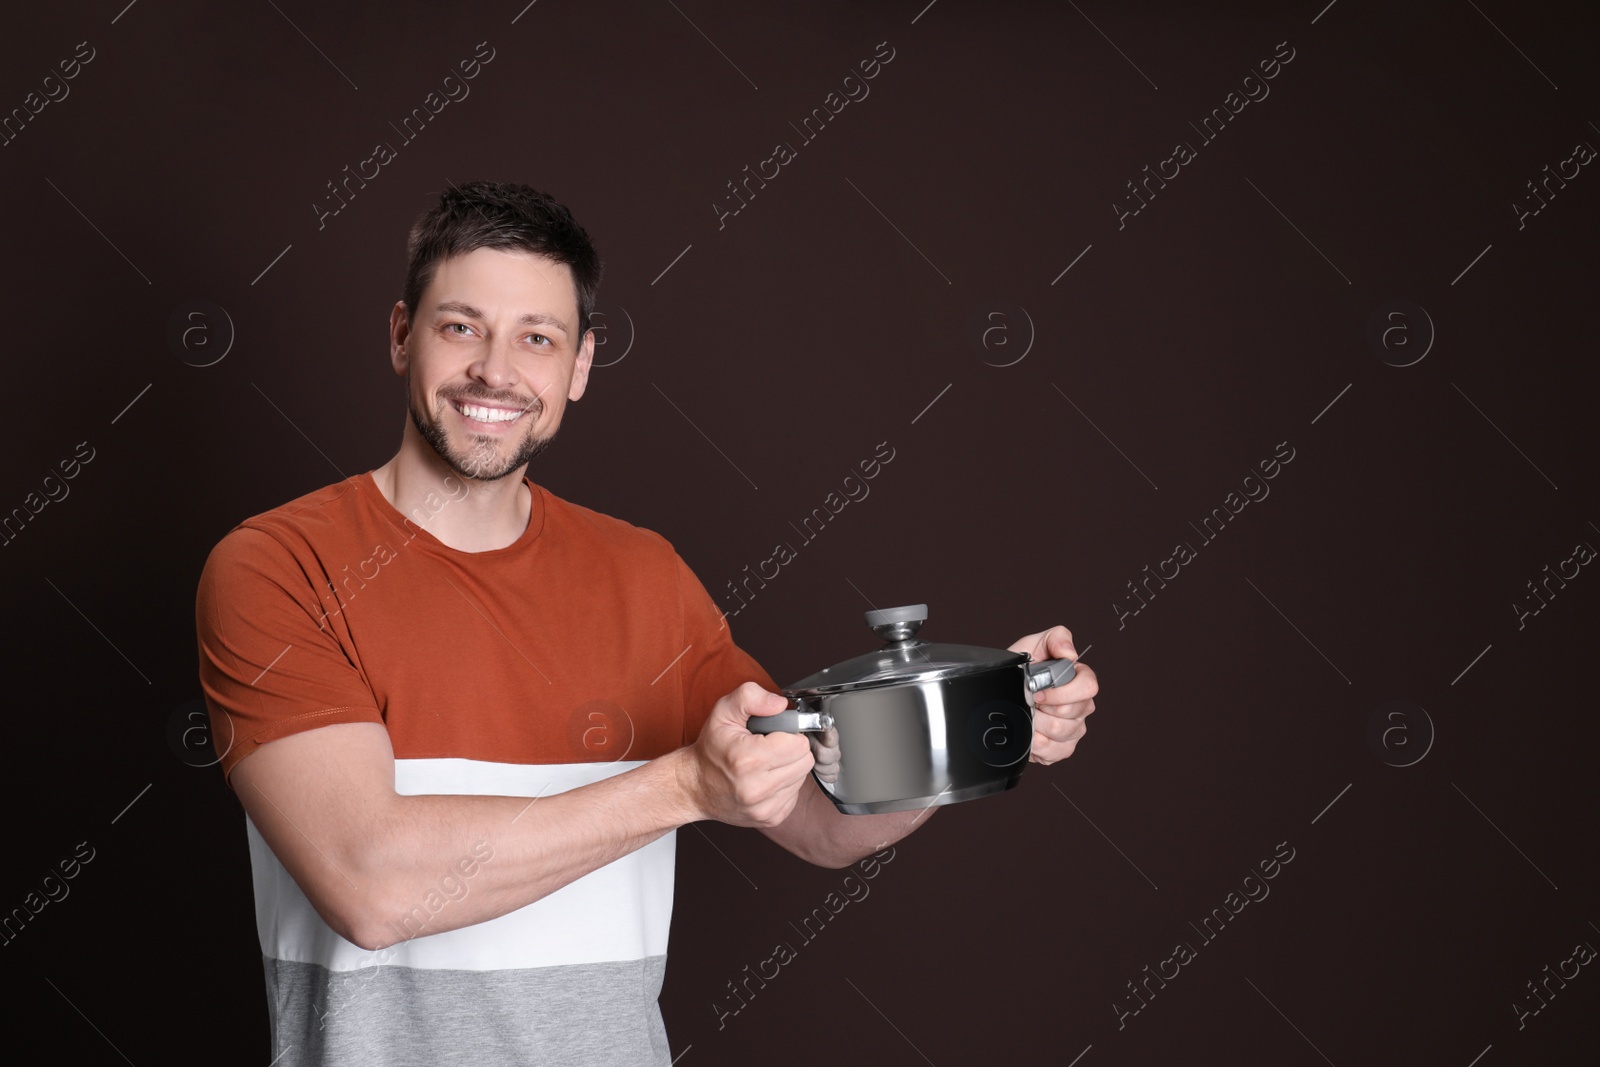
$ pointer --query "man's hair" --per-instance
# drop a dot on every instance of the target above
(506, 216)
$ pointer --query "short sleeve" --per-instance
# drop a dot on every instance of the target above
(271, 663)
(714, 666)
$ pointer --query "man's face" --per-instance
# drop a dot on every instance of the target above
(491, 357)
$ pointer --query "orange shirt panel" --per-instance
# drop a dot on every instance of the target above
(586, 640)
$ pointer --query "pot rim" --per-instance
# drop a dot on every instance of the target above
(933, 672)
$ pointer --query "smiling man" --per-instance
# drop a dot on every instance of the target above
(467, 716)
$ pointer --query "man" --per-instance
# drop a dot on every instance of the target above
(465, 717)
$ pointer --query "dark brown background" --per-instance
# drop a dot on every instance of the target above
(1210, 329)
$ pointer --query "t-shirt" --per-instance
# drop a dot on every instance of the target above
(582, 650)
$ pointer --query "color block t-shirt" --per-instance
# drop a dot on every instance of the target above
(582, 650)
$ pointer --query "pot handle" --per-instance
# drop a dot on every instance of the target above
(791, 721)
(1049, 674)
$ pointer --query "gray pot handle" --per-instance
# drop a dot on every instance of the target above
(1050, 673)
(792, 721)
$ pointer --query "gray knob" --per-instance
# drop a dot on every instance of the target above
(897, 624)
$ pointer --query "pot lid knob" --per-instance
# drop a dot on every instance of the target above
(897, 624)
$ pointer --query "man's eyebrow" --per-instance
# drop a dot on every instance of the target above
(528, 318)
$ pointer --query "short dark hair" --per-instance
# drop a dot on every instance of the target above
(483, 214)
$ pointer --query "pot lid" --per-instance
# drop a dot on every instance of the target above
(905, 659)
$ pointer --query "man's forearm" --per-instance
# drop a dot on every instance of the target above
(538, 845)
(820, 833)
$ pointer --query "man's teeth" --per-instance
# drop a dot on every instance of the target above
(472, 411)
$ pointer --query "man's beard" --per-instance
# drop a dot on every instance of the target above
(481, 460)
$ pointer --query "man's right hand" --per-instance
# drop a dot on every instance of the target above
(741, 778)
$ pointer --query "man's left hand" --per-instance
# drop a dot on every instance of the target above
(1059, 713)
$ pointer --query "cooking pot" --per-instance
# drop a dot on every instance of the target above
(918, 724)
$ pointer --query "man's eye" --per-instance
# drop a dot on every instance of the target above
(539, 338)
(456, 326)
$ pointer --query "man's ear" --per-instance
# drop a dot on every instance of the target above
(399, 334)
(580, 372)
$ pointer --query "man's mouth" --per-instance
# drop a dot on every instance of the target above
(485, 414)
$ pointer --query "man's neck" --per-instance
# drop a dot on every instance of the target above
(468, 515)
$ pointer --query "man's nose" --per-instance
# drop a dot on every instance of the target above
(494, 365)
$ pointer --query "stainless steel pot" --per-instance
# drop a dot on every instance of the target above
(918, 724)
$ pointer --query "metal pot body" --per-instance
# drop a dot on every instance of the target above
(919, 744)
